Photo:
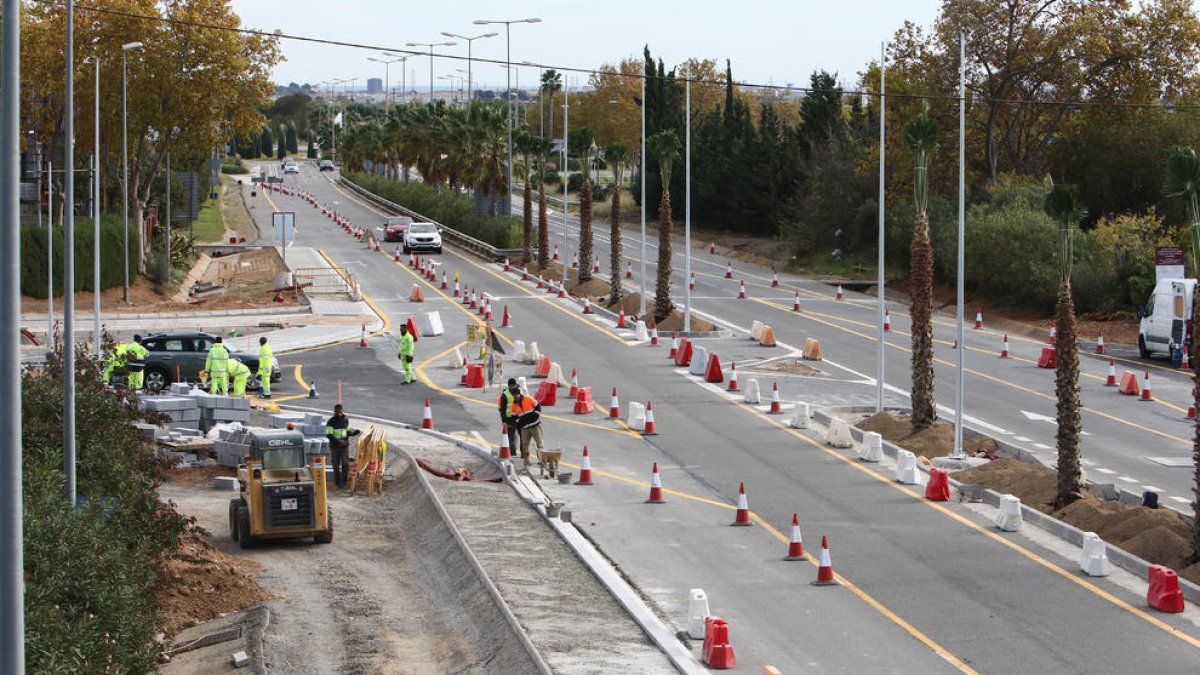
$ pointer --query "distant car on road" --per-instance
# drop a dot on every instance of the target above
(180, 355)
(394, 227)
(423, 237)
(326, 165)
(291, 168)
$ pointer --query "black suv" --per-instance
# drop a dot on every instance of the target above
(180, 355)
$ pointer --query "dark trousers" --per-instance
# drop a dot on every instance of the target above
(340, 457)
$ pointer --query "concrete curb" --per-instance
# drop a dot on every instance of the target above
(270, 311)
(258, 618)
(1050, 524)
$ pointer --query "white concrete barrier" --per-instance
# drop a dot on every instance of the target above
(1094, 559)
(519, 354)
(430, 324)
(906, 468)
(455, 360)
(756, 328)
(872, 447)
(753, 394)
(697, 611)
(800, 418)
(838, 434)
(556, 375)
(522, 386)
(640, 333)
(1009, 518)
(637, 416)
(699, 361)
(532, 355)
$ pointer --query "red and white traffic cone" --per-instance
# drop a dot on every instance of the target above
(575, 260)
(596, 266)
(1186, 362)
(474, 300)
(412, 261)
(656, 488)
(825, 570)
(729, 271)
(1004, 349)
(574, 384)
(445, 284)
(692, 282)
(774, 279)
(505, 450)
(555, 252)
(506, 322)
(1100, 344)
(1053, 332)
(550, 285)
(621, 319)
(733, 383)
(562, 290)
(796, 302)
(840, 294)
(507, 267)
(978, 318)
(776, 406)
(525, 273)
(1146, 396)
(742, 291)
(427, 417)
(712, 248)
(1111, 380)
(457, 292)
(887, 320)
(585, 472)
(653, 335)
(362, 337)
(397, 257)
(541, 282)
(674, 345)
(587, 304)
(614, 408)
(650, 429)
(629, 269)
(796, 545)
(742, 517)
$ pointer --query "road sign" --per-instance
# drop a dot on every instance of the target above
(283, 230)
(1169, 263)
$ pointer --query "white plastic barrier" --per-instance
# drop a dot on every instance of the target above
(906, 468)
(699, 361)
(556, 375)
(519, 354)
(455, 360)
(640, 333)
(1009, 519)
(753, 393)
(1094, 559)
(756, 328)
(522, 386)
(637, 416)
(838, 434)
(800, 418)
(697, 611)
(532, 355)
(872, 447)
(430, 324)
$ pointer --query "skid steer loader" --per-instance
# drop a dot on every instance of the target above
(282, 493)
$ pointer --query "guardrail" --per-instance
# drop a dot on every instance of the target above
(476, 246)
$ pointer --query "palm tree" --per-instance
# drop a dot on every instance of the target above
(486, 130)
(1183, 182)
(614, 156)
(665, 146)
(1063, 204)
(582, 140)
(921, 134)
(551, 82)
(543, 150)
(527, 144)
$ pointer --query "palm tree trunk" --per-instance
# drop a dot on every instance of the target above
(662, 288)
(924, 410)
(527, 238)
(1196, 443)
(543, 232)
(614, 258)
(1066, 389)
(585, 230)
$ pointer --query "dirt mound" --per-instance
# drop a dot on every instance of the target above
(936, 441)
(1088, 514)
(789, 366)
(198, 476)
(1160, 546)
(1191, 573)
(1034, 484)
(200, 582)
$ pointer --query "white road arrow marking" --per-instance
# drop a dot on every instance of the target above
(1035, 417)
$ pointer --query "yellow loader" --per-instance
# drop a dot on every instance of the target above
(282, 492)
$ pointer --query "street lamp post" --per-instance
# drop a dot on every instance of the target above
(125, 48)
(430, 45)
(96, 215)
(508, 95)
(387, 92)
(403, 74)
(469, 40)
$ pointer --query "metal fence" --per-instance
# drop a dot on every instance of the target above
(326, 283)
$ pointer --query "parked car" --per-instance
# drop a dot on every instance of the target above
(394, 227)
(180, 355)
(326, 165)
(291, 168)
(423, 237)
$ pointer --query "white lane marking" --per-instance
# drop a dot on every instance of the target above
(1152, 488)
(1023, 439)
(1127, 479)
(1042, 446)
(1181, 500)
(1107, 472)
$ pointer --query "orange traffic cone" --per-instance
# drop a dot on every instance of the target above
(1053, 332)
(742, 518)
(656, 489)
(742, 291)
(729, 271)
(525, 273)
(596, 266)
(825, 570)
(712, 247)
(587, 304)
(1004, 349)
(574, 384)
(621, 318)
(776, 406)
(575, 260)
(840, 294)
(1100, 344)
(978, 318)
(562, 290)
(427, 417)
(650, 429)
(506, 322)
(362, 339)
(474, 300)
(463, 380)
(887, 320)
(674, 345)
(629, 269)
(614, 408)
(1186, 363)
(692, 282)
(555, 252)
(1111, 380)
(541, 282)
(457, 292)
(796, 302)
(397, 258)
(733, 383)
(585, 472)
(1146, 388)
(505, 451)
(796, 545)
(653, 335)
(507, 266)
(774, 279)
(445, 284)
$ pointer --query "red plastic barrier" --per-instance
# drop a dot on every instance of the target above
(475, 377)
(547, 393)
(718, 652)
(1164, 594)
(713, 372)
(683, 355)
(583, 401)
(938, 488)
(1049, 358)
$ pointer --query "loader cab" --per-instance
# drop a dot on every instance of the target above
(282, 493)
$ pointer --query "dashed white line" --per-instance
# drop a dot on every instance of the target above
(1181, 500)
(1041, 446)
(1152, 488)
(1127, 479)
(1107, 472)
(1023, 439)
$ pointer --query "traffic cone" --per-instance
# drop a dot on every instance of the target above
(840, 295)
(621, 318)
(525, 273)
(1186, 363)
(445, 284)
(653, 335)
(796, 545)
(466, 297)
(412, 261)
(575, 260)
(656, 489)
(585, 472)
(1004, 349)
(541, 281)
(742, 518)
(1100, 344)
(474, 300)
(596, 266)
(574, 384)
(397, 257)
(674, 345)
(1191, 413)
(555, 252)
(729, 271)
(887, 320)
(978, 318)
(650, 429)
(825, 570)
(742, 291)
(507, 321)
(1146, 388)
(796, 302)
(464, 372)
(733, 383)
(457, 292)
(776, 406)
(562, 290)
(629, 269)
(362, 338)
(507, 267)
(692, 282)
(587, 304)
(712, 248)
(312, 390)
(1111, 380)
(505, 450)
(614, 409)
(1053, 332)
(774, 279)
(427, 417)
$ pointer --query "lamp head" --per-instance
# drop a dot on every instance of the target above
(132, 45)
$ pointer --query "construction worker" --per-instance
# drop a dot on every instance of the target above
(116, 361)
(135, 356)
(527, 411)
(217, 365)
(240, 374)
(507, 416)
(338, 431)
(407, 349)
(266, 366)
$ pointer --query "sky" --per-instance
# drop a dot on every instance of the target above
(769, 41)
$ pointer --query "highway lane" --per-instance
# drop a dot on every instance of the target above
(715, 447)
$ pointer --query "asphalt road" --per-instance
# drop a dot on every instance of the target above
(929, 587)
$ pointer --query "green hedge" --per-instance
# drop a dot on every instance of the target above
(33, 256)
(450, 208)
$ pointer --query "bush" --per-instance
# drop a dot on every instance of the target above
(234, 169)
(1012, 255)
(33, 256)
(447, 207)
(574, 182)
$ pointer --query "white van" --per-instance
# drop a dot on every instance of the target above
(1166, 318)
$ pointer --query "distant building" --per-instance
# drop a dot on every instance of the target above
(374, 85)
